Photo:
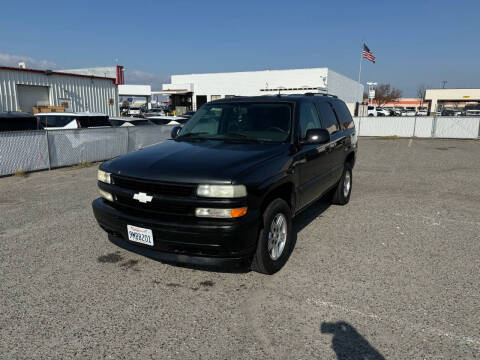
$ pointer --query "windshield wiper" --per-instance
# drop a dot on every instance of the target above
(192, 134)
(246, 137)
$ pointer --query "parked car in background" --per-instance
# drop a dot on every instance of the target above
(17, 121)
(422, 111)
(390, 110)
(383, 112)
(53, 120)
(154, 112)
(472, 112)
(129, 121)
(134, 110)
(92, 120)
(410, 111)
(224, 190)
(372, 110)
(80, 120)
(447, 112)
(398, 111)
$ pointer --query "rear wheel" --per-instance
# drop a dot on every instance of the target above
(341, 196)
(274, 239)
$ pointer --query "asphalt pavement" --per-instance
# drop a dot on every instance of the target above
(394, 274)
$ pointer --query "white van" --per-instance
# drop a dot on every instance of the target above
(80, 120)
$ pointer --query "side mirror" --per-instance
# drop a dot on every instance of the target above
(316, 136)
(175, 132)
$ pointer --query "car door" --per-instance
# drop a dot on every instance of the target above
(311, 161)
(336, 147)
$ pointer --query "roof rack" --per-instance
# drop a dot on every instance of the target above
(321, 94)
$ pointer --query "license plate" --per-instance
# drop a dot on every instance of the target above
(140, 235)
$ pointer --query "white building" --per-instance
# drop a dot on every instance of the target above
(21, 89)
(192, 91)
(135, 94)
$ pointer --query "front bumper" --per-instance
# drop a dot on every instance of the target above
(196, 241)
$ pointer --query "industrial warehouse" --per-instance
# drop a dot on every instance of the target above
(33, 91)
(190, 92)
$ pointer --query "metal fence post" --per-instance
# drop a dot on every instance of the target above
(128, 139)
(48, 150)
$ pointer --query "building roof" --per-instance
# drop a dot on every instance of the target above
(51, 72)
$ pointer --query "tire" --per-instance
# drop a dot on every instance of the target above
(265, 261)
(342, 193)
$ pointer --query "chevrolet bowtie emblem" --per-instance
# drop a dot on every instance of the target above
(143, 197)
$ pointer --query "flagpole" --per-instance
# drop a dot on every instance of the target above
(360, 70)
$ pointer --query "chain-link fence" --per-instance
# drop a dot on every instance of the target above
(141, 136)
(39, 150)
(460, 127)
(23, 150)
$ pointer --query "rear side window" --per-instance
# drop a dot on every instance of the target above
(308, 118)
(327, 117)
(344, 116)
(93, 121)
(55, 121)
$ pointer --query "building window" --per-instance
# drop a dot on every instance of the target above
(215, 97)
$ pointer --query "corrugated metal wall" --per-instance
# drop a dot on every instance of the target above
(86, 94)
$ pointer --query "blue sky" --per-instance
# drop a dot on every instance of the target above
(414, 41)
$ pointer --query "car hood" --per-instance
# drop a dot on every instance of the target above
(202, 161)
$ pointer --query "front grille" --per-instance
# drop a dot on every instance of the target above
(156, 206)
(151, 187)
(165, 197)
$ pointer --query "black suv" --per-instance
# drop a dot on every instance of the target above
(225, 188)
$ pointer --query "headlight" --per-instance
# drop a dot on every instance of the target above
(220, 213)
(106, 195)
(222, 191)
(104, 177)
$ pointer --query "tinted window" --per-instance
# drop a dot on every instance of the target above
(308, 118)
(55, 121)
(92, 121)
(327, 117)
(344, 116)
(250, 121)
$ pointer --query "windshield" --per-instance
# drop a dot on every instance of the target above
(241, 121)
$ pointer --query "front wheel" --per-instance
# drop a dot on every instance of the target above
(342, 193)
(274, 239)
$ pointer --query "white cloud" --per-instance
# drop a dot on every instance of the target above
(138, 77)
(13, 60)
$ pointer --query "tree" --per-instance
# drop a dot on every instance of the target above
(384, 93)
(421, 90)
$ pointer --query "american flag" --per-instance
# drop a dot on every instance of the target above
(367, 54)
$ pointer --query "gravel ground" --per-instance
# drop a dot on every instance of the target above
(394, 274)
